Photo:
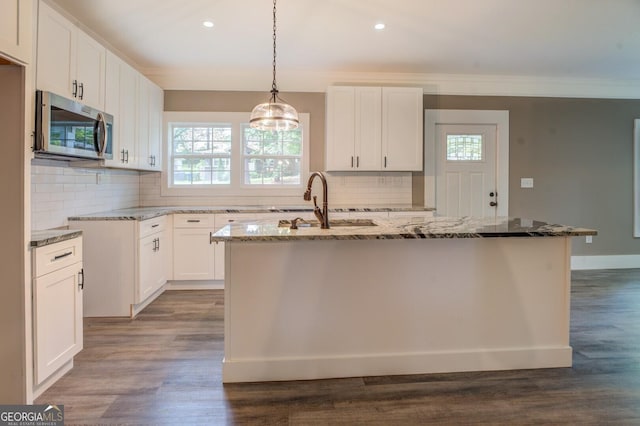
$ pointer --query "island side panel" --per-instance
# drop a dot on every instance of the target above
(320, 309)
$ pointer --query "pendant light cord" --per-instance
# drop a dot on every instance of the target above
(274, 87)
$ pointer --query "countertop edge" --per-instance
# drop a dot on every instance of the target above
(48, 237)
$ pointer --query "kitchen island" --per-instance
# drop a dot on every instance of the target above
(442, 295)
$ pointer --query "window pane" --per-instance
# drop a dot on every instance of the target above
(272, 171)
(271, 158)
(253, 148)
(464, 148)
(202, 147)
(221, 147)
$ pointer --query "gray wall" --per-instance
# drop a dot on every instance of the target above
(578, 151)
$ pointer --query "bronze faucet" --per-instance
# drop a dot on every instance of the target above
(323, 217)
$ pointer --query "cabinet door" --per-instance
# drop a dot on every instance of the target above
(368, 125)
(57, 319)
(340, 129)
(56, 54)
(156, 108)
(112, 103)
(152, 257)
(142, 127)
(128, 94)
(90, 71)
(15, 29)
(402, 118)
(193, 254)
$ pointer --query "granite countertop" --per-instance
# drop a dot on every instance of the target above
(143, 213)
(52, 236)
(436, 227)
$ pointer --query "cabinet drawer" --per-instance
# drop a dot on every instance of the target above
(56, 256)
(193, 221)
(151, 226)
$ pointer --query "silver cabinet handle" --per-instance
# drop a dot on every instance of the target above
(193, 221)
(74, 92)
(81, 279)
(61, 256)
(81, 91)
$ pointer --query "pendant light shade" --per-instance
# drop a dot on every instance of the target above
(274, 115)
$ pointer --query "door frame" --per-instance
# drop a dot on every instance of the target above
(500, 118)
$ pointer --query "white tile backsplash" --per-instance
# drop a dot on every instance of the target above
(345, 190)
(59, 191)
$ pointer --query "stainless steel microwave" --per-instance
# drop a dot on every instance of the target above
(67, 129)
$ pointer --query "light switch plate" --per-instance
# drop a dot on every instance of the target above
(589, 239)
(526, 182)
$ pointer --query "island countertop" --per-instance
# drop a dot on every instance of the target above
(435, 227)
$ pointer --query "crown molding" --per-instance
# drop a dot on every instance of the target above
(437, 84)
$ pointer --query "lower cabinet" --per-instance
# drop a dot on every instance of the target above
(58, 282)
(127, 263)
(193, 254)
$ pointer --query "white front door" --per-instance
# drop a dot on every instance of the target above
(466, 170)
(466, 162)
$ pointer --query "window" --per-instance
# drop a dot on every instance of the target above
(271, 158)
(201, 154)
(214, 153)
(464, 148)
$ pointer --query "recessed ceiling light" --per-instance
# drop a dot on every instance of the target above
(379, 26)
(208, 24)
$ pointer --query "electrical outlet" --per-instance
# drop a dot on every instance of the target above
(589, 239)
(526, 182)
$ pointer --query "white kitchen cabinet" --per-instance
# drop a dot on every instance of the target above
(402, 128)
(137, 105)
(193, 253)
(69, 62)
(154, 252)
(121, 101)
(127, 263)
(15, 29)
(374, 129)
(150, 104)
(354, 123)
(58, 282)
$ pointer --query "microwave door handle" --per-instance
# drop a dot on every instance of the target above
(100, 144)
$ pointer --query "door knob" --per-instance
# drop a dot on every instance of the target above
(493, 204)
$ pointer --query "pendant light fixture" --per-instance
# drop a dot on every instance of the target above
(275, 114)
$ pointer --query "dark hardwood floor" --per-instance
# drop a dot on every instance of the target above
(164, 367)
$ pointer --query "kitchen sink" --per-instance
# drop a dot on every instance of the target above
(335, 222)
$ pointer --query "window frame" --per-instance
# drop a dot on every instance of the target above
(237, 187)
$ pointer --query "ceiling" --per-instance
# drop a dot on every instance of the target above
(575, 39)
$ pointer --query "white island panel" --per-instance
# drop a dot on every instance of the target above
(311, 309)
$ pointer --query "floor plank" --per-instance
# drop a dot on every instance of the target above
(164, 367)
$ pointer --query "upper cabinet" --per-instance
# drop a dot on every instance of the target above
(69, 62)
(374, 129)
(15, 30)
(150, 107)
(121, 101)
(136, 104)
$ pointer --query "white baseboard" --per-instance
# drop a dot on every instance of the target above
(626, 261)
(195, 285)
(326, 367)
